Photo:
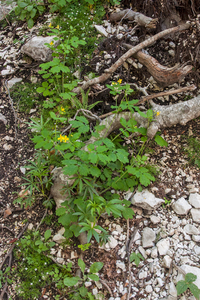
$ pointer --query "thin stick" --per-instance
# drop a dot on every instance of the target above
(177, 91)
(129, 264)
(42, 218)
(11, 103)
(108, 288)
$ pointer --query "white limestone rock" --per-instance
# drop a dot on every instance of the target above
(101, 29)
(195, 215)
(146, 200)
(181, 206)
(167, 261)
(194, 200)
(37, 49)
(112, 243)
(148, 237)
(163, 246)
(13, 81)
(155, 219)
(121, 265)
(191, 229)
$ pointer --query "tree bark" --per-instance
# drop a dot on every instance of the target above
(129, 53)
(130, 15)
(163, 75)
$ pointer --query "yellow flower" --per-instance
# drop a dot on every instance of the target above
(51, 43)
(62, 109)
(113, 83)
(50, 25)
(65, 138)
(57, 26)
(119, 81)
(60, 138)
(157, 114)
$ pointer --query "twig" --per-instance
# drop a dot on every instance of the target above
(129, 53)
(181, 90)
(11, 103)
(42, 217)
(108, 288)
(88, 114)
(129, 264)
(123, 18)
(5, 227)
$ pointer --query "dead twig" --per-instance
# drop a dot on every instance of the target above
(42, 217)
(129, 264)
(108, 288)
(5, 227)
(108, 72)
(172, 92)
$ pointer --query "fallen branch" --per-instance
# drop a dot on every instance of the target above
(172, 92)
(129, 53)
(163, 75)
(130, 15)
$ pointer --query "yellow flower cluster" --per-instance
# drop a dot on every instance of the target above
(63, 138)
(57, 27)
(118, 81)
(157, 114)
(51, 43)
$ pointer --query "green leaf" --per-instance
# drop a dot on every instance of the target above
(81, 265)
(95, 171)
(122, 155)
(83, 291)
(128, 213)
(71, 281)
(93, 157)
(194, 290)
(160, 141)
(30, 23)
(60, 211)
(33, 13)
(47, 234)
(181, 287)
(95, 267)
(29, 7)
(70, 170)
(190, 277)
(93, 277)
(22, 4)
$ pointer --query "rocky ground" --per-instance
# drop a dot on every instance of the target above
(166, 226)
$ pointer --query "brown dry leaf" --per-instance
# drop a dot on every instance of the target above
(123, 297)
(7, 213)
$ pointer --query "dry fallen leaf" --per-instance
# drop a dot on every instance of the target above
(7, 213)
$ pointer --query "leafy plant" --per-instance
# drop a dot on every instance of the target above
(167, 202)
(29, 10)
(5, 277)
(183, 285)
(136, 258)
(81, 292)
(35, 270)
(193, 151)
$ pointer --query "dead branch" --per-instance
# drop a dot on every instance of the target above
(163, 75)
(129, 53)
(130, 15)
(172, 92)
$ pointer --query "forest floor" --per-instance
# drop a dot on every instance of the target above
(16, 148)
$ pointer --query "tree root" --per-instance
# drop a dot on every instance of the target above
(130, 15)
(163, 75)
(129, 53)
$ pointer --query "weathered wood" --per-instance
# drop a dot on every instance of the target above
(130, 15)
(163, 75)
(129, 53)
